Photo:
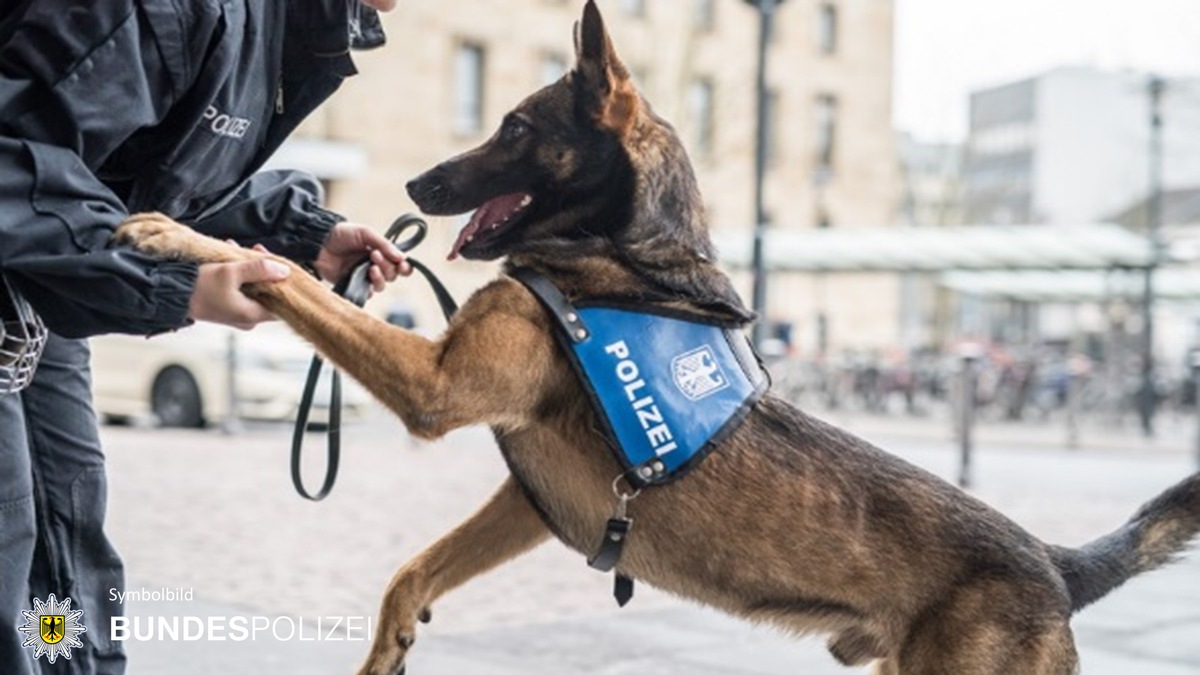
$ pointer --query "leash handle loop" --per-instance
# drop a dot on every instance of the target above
(357, 289)
(399, 227)
(334, 443)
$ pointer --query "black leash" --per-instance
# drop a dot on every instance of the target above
(356, 288)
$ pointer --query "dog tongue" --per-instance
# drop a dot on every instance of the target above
(492, 211)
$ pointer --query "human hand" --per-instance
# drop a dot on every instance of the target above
(218, 296)
(348, 244)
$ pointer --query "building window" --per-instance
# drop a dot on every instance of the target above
(1009, 138)
(468, 88)
(772, 28)
(771, 126)
(827, 28)
(826, 114)
(553, 67)
(822, 330)
(634, 7)
(700, 104)
(703, 15)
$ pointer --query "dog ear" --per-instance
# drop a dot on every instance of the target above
(605, 90)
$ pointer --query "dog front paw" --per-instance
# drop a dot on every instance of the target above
(403, 607)
(162, 237)
(153, 233)
(390, 650)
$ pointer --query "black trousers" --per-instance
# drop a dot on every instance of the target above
(52, 503)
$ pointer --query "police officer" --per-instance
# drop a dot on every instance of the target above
(112, 107)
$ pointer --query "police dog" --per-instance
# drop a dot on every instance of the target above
(790, 521)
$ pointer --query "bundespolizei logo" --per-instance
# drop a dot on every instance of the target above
(52, 628)
(698, 374)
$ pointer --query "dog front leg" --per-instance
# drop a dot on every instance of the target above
(502, 529)
(467, 377)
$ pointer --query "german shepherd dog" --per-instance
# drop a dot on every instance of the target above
(790, 521)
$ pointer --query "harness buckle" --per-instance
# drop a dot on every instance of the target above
(616, 533)
(624, 497)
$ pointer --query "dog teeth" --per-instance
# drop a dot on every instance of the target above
(526, 200)
(470, 238)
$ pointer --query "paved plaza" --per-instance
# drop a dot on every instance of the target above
(216, 514)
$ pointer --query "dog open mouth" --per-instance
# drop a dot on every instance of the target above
(490, 219)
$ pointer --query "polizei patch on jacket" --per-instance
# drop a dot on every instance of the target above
(224, 124)
(666, 386)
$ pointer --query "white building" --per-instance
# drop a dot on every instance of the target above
(1072, 146)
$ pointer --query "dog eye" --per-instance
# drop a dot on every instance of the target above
(514, 129)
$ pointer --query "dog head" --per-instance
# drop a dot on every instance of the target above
(582, 166)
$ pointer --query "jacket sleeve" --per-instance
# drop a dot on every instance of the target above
(76, 80)
(280, 210)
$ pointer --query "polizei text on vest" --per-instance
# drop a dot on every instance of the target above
(658, 433)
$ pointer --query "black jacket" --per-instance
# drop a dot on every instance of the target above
(111, 107)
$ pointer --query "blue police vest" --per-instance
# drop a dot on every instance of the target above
(667, 386)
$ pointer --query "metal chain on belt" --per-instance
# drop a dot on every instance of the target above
(22, 339)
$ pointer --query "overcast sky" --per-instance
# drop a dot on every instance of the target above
(946, 48)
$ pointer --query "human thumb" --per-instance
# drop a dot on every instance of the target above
(263, 270)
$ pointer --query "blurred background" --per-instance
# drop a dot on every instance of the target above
(1009, 178)
(895, 132)
(980, 232)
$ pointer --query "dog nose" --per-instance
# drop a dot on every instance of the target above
(426, 191)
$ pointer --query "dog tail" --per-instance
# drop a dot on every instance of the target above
(1155, 535)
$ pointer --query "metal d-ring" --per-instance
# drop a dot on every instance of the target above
(623, 496)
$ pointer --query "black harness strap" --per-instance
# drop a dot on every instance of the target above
(561, 309)
(356, 288)
(616, 532)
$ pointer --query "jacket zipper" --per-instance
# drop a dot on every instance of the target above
(279, 97)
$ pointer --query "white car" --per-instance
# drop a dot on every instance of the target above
(182, 378)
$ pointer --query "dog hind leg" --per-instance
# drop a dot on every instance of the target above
(505, 527)
(993, 627)
(993, 651)
(856, 647)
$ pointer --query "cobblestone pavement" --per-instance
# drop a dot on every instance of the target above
(216, 514)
